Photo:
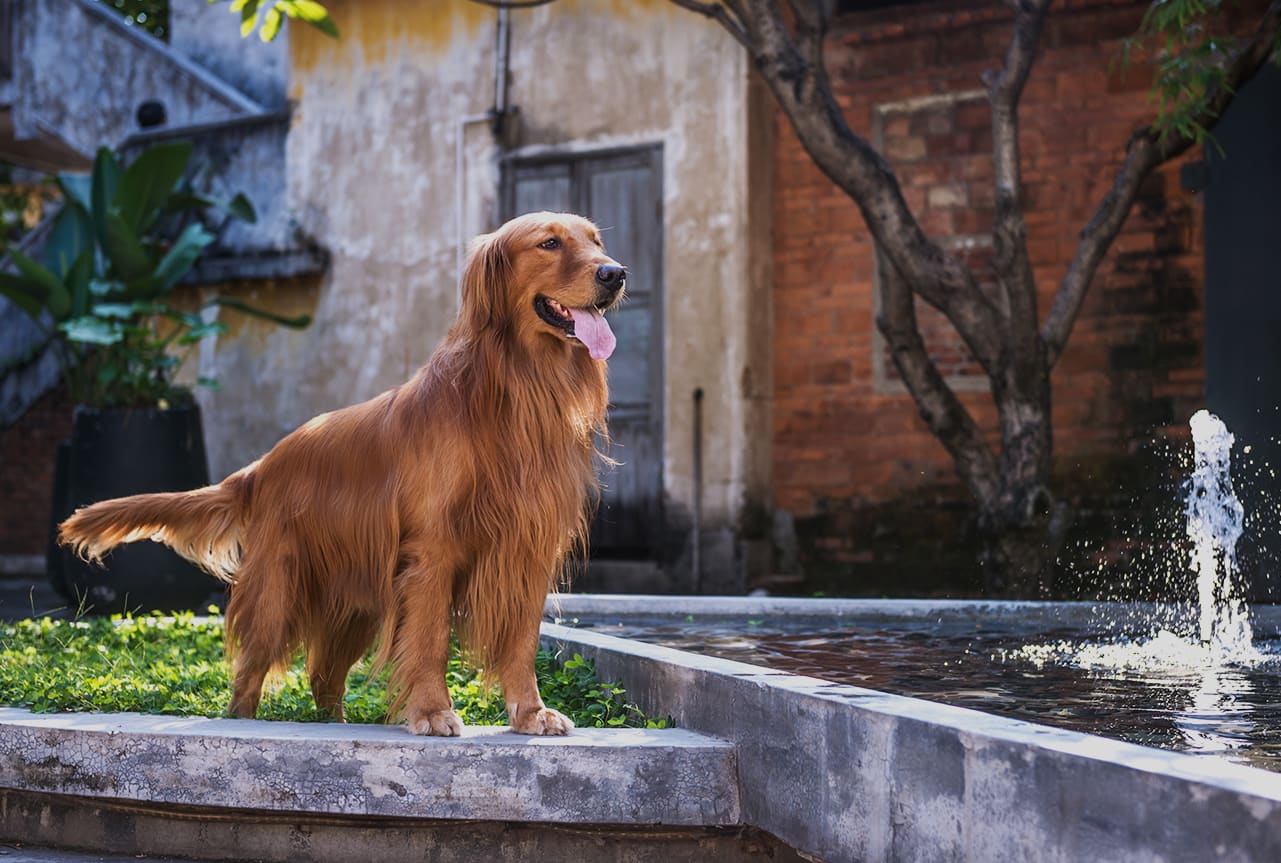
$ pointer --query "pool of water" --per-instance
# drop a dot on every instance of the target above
(1162, 692)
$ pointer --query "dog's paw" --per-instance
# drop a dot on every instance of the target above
(438, 723)
(544, 721)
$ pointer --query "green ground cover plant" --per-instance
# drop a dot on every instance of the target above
(175, 665)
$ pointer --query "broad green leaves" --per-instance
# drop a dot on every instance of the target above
(148, 183)
(123, 240)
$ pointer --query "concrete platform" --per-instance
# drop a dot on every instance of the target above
(842, 773)
(593, 776)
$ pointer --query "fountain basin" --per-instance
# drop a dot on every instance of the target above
(848, 773)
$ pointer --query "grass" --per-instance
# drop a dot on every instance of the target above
(175, 665)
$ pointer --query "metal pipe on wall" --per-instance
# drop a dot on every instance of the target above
(495, 116)
(696, 553)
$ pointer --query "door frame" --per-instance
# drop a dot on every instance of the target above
(649, 155)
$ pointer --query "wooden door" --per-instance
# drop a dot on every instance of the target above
(621, 192)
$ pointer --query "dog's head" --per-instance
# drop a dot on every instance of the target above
(544, 276)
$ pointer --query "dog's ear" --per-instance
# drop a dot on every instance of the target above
(486, 281)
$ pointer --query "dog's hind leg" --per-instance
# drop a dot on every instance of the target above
(261, 633)
(330, 655)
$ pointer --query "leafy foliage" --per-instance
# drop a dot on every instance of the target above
(150, 15)
(153, 15)
(175, 665)
(1189, 44)
(274, 12)
(123, 239)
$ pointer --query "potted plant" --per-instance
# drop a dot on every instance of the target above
(121, 243)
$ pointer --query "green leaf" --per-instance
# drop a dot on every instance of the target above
(129, 260)
(126, 311)
(77, 187)
(71, 236)
(102, 190)
(248, 10)
(78, 278)
(312, 12)
(181, 257)
(94, 331)
(55, 295)
(23, 293)
(187, 199)
(204, 330)
(240, 207)
(105, 287)
(148, 181)
(232, 303)
(270, 24)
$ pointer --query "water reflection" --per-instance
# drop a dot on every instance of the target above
(1163, 691)
(1218, 720)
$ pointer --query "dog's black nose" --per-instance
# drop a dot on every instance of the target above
(611, 276)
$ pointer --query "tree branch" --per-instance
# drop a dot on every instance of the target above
(1145, 151)
(942, 411)
(793, 70)
(1009, 230)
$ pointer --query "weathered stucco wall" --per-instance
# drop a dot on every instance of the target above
(373, 161)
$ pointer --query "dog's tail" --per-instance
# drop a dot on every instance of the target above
(203, 526)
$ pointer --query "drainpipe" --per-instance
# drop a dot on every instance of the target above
(697, 552)
(502, 67)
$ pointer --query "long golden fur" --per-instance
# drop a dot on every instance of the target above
(454, 498)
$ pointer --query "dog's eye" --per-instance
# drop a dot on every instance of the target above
(550, 243)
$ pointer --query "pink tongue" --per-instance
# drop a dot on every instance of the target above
(591, 328)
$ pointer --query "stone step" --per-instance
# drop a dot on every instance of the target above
(592, 776)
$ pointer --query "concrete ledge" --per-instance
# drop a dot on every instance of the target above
(1027, 614)
(845, 773)
(593, 776)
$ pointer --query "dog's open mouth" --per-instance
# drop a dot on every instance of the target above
(587, 325)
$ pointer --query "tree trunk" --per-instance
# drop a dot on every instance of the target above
(1018, 560)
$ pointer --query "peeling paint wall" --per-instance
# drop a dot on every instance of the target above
(374, 160)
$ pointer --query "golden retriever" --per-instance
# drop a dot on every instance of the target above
(451, 500)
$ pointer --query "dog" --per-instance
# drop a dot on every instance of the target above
(452, 501)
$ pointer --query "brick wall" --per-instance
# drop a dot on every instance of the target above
(848, 444)
(27, 453)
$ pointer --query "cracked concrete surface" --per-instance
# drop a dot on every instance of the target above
(593, 776)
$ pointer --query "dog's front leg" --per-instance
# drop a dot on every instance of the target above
(422, 651)
(525, 708)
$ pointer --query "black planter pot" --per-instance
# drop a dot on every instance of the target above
(115, 452)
